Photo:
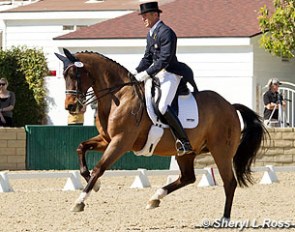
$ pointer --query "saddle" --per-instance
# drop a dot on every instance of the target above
(184, 104)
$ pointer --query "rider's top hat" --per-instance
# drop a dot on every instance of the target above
(149, 7)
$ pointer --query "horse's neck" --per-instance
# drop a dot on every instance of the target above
(112, 75)
(109, 87)
(109, 81)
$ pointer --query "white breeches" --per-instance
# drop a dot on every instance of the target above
(169, 83)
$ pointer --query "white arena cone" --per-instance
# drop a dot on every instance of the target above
(141, 181)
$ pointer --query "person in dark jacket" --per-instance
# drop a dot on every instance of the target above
(7, 103)
(160, 61)
(272, 100)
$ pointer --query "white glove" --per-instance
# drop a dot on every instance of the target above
(134, 72)
(142, 76)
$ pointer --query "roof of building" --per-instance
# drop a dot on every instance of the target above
(79, 5)
(189, 19)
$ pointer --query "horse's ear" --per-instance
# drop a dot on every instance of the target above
(61, 57)
(64, 59)
(69, 55)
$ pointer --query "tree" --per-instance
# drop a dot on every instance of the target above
(278, 28)
(25, 69)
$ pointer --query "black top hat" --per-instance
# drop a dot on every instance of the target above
(149, 7)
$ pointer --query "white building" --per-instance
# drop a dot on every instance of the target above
(218, 39)
(36, 23)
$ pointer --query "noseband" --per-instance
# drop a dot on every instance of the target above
(79, 95)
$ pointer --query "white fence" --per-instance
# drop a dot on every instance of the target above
(73, 179)
(74, 182)
(288, 92)
(141, 176)
(287, 114)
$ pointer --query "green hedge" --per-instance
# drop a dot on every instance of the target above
(25, 69)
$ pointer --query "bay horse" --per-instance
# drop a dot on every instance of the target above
(123, 125)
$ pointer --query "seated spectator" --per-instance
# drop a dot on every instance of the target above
(7, 102)
(272, 101)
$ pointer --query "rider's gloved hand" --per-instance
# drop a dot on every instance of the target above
(142, 76)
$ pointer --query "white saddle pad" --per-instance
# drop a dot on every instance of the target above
(188, 115)
(188, 112)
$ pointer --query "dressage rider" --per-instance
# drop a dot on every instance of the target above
(160, 61)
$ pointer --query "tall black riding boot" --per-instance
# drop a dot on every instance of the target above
(183, 145)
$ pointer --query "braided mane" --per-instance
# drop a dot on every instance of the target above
(106, 58)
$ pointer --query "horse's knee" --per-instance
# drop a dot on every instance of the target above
(80, 148)
(98, 171)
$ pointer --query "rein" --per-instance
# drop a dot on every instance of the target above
(91, 96)
(107, 91)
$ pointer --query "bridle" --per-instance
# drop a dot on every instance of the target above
(77, 93)
(81, 97)
(90, 97)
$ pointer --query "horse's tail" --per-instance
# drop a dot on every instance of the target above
(253, 134)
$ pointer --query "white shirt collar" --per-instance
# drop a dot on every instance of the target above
(154, 27)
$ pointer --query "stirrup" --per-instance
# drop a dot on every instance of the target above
(183, 148)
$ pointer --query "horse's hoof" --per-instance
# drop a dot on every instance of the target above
(79, 207)
(153, 204)
(96, 186)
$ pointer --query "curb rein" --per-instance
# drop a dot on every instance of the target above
(83, 101)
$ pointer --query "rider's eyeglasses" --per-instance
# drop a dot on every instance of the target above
(2, 84)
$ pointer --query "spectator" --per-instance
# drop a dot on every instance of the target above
(7, 102)
(76, 119)
(272, 101)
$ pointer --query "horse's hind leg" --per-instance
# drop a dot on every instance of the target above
(187, 176)
(95, 143)
(224, 164)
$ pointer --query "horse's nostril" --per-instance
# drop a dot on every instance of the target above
(71, 107)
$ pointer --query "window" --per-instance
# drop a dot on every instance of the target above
(80, 26)
(68, 27)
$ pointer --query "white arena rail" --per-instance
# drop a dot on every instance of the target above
(74, 182)
(269, 175)
(141, 176)
(73, 179)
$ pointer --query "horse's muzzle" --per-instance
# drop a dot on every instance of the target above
(71, 107)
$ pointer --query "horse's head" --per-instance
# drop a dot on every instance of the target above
(77, 81)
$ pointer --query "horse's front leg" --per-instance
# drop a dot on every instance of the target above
(96, 143)
(113, 152)
(186, 165)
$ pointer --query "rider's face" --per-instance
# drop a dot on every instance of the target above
(150, 18)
